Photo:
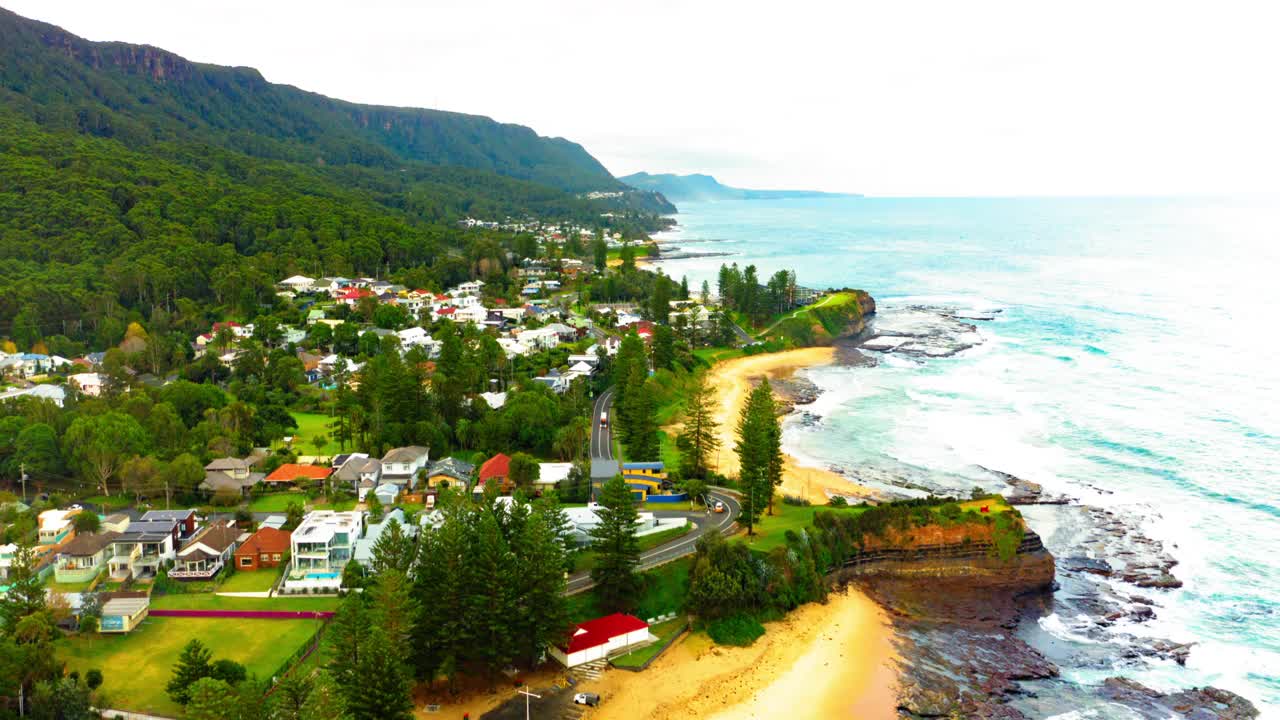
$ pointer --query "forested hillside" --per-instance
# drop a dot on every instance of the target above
(133, 181)
(141, 95)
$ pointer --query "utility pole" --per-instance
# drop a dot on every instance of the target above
(23, 469)
(527, 695)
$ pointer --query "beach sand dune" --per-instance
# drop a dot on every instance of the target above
(822, 661)
(732, 381)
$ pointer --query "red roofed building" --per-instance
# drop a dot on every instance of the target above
(293, 472)
(352, 296)
(498, 469)
(266, 548)
(447, 311)
(600, 638)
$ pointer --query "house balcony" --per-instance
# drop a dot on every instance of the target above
(70, 573)
(196, 571)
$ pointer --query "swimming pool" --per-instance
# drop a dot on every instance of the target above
(317, 575)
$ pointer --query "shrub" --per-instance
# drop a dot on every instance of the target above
(93, 678)
(797, 501)
(838, 501)
(738, 629)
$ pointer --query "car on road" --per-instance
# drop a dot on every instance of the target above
(604, 419)
(590, 699)
(719, 506)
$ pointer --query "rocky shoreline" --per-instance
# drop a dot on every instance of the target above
(978, 651)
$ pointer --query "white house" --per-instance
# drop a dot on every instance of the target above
(401, 465)
(475, 314)
(53, 393)
(88, 383)
(319, 548)
(514, 348)
(542, 338)
(468, 288)
(602, 638)
(551, 473)
(297, 283)
(494, 400)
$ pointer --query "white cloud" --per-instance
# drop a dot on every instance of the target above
(876, 97)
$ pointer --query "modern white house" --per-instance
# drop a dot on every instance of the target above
(320, 548)
(143, 548)
(55, 525)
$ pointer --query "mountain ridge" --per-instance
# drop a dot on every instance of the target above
(699, 186)
(143, 94)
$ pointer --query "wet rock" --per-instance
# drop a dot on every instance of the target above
(1094, 566)
(1024, 492)
(1207, 703)
(920, 331)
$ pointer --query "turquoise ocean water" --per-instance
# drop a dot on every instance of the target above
(1134, 365)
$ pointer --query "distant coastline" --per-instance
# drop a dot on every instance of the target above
(698, 187)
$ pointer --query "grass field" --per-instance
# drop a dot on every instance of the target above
(276, 502)
(310, 425)
(136, 666)
(662, 631)
(586, 559)
(250, 581)
(771, 531)
(103, 502)
(338, 505)
(209, 601)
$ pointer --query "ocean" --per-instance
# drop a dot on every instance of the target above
(1132, 364)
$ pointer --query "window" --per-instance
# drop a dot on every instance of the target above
(276, 557)
(265, 557)
(246, 561)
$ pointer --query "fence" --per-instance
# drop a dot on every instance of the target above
(247, 614)
(298, 657)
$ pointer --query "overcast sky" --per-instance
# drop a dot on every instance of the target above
(886, 98)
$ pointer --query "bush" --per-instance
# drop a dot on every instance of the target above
(93, 678)
(797, 501)
(739, 630)
(838, 501)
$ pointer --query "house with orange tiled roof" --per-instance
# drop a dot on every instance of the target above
(296, 472)
(496, 469)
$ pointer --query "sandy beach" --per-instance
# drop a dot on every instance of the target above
(732, 381)
(821, 661)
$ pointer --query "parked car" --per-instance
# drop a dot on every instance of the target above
(590, 699)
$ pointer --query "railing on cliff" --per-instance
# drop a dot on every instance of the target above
(1030, 543)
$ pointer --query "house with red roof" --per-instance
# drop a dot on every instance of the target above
(294, 472)
(601, 638)
(266, 548)
(354, 295)
(496, 469)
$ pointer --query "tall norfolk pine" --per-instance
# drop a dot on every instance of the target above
(759, 453)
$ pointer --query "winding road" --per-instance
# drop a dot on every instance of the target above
(704, 521)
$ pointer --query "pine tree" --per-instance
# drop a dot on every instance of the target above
(772, 447)
(664, 348)
(630, 354)
(641, 428)
(193, 664)
(600, 253)
(383, 687)
(393, 550)
(541, 609)
(208, 699)
(660, 300)
(616, 547)
(756, 450)
(628, 256)
(26, 595)
(395, 608)
(347, 633)
(700, 437)
(489, 602)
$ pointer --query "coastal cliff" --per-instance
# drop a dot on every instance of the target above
(841, 314)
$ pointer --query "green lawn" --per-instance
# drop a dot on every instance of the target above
(713, 355)
(276, 502)
(114, 502)
(662, 631)
(136, 666)
(209, 601)
(771, 531)
(250, 580)
(310, 425)
(337, 505)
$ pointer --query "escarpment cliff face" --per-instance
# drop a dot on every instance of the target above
(840, 314)
(954, 603)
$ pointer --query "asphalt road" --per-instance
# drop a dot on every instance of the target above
(704, 521)
(602, 437)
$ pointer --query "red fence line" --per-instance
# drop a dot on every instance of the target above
(247, 614)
